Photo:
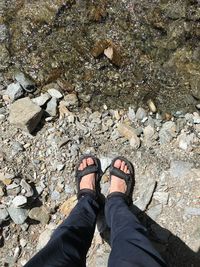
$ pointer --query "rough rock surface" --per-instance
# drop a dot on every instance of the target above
(25, 114)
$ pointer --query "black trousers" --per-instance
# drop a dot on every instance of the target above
(70, 242)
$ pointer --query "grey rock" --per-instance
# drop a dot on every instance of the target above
(2, 117)
(2, 191)
(42, 99)
(198, 106)
(85, 98)
(3, 215)
(161, 197)
(52, 107)
(154, 211)
(14, 91)
(185, 141)
(18, 215)
(2, 110)
(180, 169)
(55, 195)
(4, 57)
(44, 238)
(39, 214)
(19, 201)
(131, 114)
(16, 148)
(71, 100)
(28, 189)
(25, 81)
(54, 93)
(192, 211)
(3, 32)
(146, 196)
(13, 189)
(25, 114)
(167, 132)
(149, 136)
(141, 114)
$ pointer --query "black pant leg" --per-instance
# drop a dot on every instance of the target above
(129, 243)
(70, 242)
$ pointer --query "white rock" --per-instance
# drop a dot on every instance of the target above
(44, 238)
(14, 91)
(71, 100)
(55, 93)
(19, 201)
(41, 100)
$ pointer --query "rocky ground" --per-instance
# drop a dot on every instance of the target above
(108, 78)
(41, 140)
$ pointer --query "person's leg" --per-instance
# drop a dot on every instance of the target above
(129, 242)
(70, 242)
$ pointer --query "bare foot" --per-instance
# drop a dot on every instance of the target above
(118, 184)
(87, 181)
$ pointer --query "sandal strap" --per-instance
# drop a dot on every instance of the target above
(120, 174)
(88, 170)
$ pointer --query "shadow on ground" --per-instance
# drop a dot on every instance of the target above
(175, 252)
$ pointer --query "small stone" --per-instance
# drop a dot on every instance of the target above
(2, 117)
(180, 169)
(23, 242)
(196, 118)
(131, 114)
(154, 211)
(44, 238)
(68, 205)
(60, 167)
(19, 201)
(25, 81)
(13, 189)
(2, 110)
(42, 99)
(149, 136)
(55, 195)
(141, 114)
(198, 106)
(185, 141)
(4, 57)
(105, 162)
(192, 211)
(14, 91)
(161, 197)
(54, 93)
(16, 148)
(167, 132)
(130, 134)
(39, 214)
(71, 100)
(25, 115)
(152, 106)
(52, 107)
(3, 215)
(28, 189)
(18, 215)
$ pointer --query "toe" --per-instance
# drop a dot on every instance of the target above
(81, 167)
(90, 161)
(125, 168)
(122, 166)
(84, 162)
(117, 163)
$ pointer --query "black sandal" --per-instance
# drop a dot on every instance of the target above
(129, 178)
(95, 168)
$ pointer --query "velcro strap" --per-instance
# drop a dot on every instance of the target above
(117, 172)
(89, 169)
